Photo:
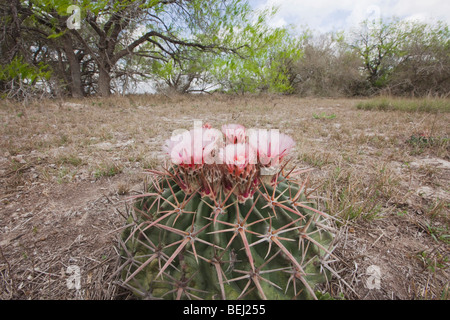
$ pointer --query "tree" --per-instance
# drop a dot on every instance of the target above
(186, 75)
(113, 31)
(266, 64)
(378, 42)
(425, 65)
(283, 55)
(329, 67)
(20, 68)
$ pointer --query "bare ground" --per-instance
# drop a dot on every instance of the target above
(66, 168)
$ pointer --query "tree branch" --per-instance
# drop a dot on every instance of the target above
(148, 35)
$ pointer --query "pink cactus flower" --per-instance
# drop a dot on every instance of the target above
(234, 133)
(194, 147)
(271, 147)
(238, 158)
(236, 162)
(183, 149)
(212, 142)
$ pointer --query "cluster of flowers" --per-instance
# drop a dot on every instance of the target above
(232, 158)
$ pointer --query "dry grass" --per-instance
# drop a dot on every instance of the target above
(66, 166)
(432, 105)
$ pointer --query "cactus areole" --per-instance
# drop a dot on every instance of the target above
(225, 220)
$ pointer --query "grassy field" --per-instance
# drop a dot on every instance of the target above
(66, 167)
(431, 105)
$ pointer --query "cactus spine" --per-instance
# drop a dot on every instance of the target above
(225, 229)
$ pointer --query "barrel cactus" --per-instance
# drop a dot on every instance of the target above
(226, 220)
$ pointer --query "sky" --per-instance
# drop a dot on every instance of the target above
(336, 15)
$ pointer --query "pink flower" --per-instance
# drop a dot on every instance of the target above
(194, 147)
(238, 157)
(205, 145)
(174, 148)
(212, 142)
(271, 146)
(234, 163)
(234, 133)
(183, 149)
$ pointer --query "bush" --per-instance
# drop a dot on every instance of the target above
(19, 80)
(329, 69)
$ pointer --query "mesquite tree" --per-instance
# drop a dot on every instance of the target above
(112, 31)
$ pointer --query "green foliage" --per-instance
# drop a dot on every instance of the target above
(423, 69)
(19, 77)
(267, 64)
(261, 60)
(404, 56)
(225, 45)
(185, 75)
(378, 42)
(323, 115)
(19, 70)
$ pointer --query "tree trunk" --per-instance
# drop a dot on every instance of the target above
(104, 81)
(75, 84)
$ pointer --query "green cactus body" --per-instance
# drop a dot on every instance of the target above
(185, 245)
(225, 221)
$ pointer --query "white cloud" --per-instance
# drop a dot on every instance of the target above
(429, 10)
(328, 15)
(278, 22)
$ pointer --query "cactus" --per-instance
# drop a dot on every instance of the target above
(226, 220)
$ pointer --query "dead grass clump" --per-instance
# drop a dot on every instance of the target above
(352, 194)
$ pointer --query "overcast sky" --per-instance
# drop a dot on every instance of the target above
(329, 15)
